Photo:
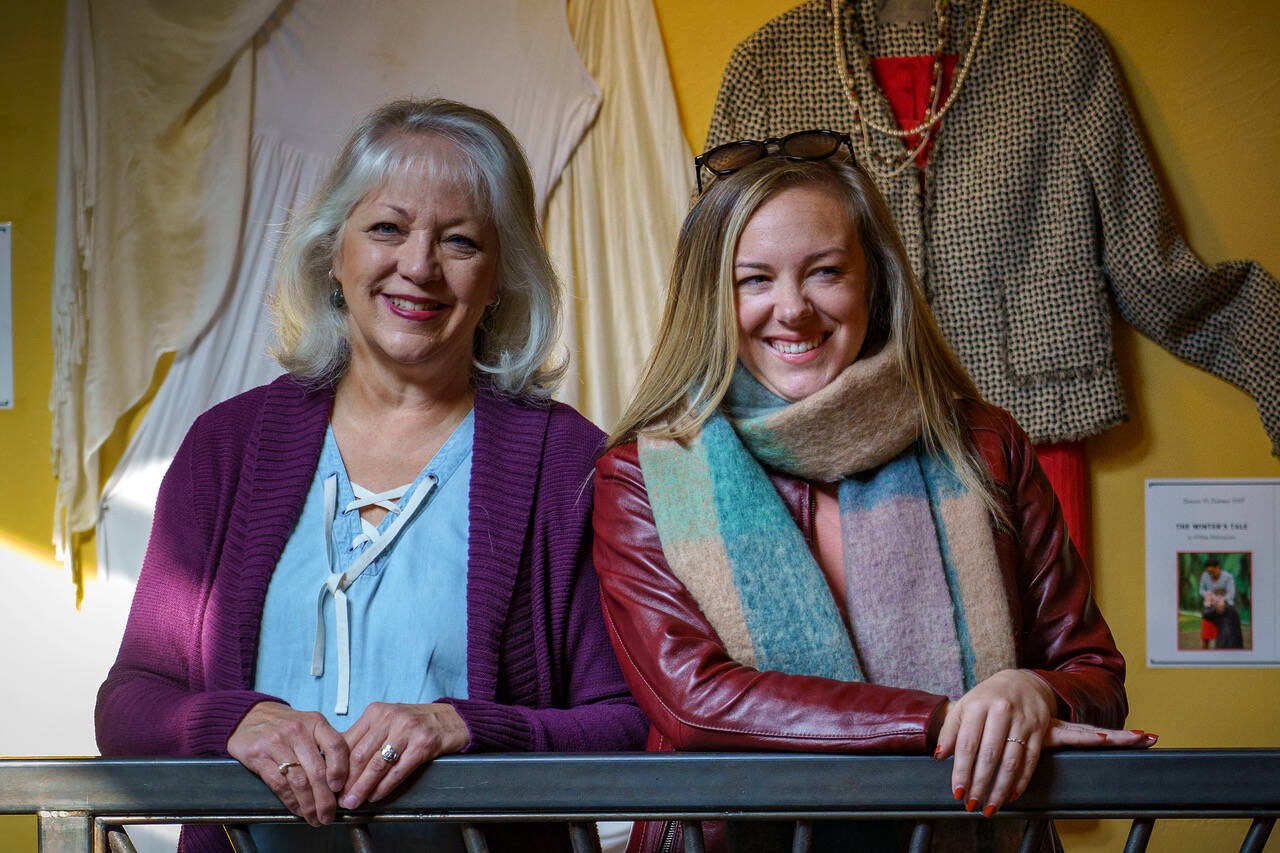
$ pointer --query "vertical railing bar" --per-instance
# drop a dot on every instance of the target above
(693, 842)
(361, 840)
(802, 839)
(473, 838)
(118, 840)
(921, 837)
(583, 837)
(241, 840)
(1033, 836)
(1139, 835)
(64, 832)
(1256, 838)
(100, 830)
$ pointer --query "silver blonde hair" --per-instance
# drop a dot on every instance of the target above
(691, 365)
(514, 344)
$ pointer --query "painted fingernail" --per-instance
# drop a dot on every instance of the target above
(1137, 731)
(1014, 796)
(1152, 737)
(937, 750)
(1101, 735)
(971, 804)
(959, 792)
(349, 802)
(988, 810)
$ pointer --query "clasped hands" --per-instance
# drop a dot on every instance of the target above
(313, 768)
(997, 730)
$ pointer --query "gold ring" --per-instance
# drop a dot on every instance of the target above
(285, 765)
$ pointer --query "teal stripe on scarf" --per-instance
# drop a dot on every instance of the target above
(942, 484)
(793, 621)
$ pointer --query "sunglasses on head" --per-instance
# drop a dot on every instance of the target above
(802, 145)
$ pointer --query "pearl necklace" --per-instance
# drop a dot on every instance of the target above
(932, 114)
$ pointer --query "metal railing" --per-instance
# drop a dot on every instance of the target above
(82, 804)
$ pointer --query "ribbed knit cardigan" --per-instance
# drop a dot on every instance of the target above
(541, 675)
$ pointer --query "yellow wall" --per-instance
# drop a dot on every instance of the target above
(1206, 81)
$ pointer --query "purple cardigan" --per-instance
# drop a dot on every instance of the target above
(541, 675)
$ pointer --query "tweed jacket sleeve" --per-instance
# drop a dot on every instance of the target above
(1223, 318)
(1039, 209)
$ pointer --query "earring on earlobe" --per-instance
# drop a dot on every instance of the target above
(493, 306)
(337, 298)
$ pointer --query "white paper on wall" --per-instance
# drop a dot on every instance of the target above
(6, 316)
(1212, 592)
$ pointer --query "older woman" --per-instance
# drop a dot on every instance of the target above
(812, 533)
(384, 555)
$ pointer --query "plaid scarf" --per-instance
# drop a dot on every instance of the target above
(926, 601)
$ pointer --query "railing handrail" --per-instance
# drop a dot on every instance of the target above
(1158, 783)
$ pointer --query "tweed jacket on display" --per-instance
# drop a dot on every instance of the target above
(540, 672)
(1038, 208)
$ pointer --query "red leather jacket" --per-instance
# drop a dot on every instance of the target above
(698, 698)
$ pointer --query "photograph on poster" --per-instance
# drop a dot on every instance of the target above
(1213, 601)
(1212, 595)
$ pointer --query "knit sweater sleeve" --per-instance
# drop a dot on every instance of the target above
(559, 685)
(154, 700)
(595, 712)
(1223, 318)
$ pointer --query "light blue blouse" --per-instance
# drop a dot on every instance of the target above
(398, 631)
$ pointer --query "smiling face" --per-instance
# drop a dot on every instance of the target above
(417, 261)
(800, 291)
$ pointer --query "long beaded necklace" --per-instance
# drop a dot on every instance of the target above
(932, 113)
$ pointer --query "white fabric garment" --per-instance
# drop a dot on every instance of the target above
(151, 182)
(612, 221)
(317, 67)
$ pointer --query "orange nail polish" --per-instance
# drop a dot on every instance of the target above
(971, 805)
(1014, 796)
(1101, 735)
(1137, 731)
(988, 810)
(959, 792)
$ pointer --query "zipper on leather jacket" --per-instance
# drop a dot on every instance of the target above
(668, 837)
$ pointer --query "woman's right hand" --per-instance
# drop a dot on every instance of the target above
(271, 735)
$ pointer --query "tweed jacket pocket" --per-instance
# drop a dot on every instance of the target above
(1057, 325)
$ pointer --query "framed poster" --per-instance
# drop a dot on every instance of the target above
(1212, 596)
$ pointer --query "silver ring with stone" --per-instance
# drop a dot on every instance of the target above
(1018, 741)
(389, 754)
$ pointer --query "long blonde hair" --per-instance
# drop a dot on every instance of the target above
(689, 370)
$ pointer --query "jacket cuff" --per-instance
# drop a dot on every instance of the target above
(1057, 682)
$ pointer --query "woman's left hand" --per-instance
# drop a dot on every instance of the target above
(996, 732)
(417, 733)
